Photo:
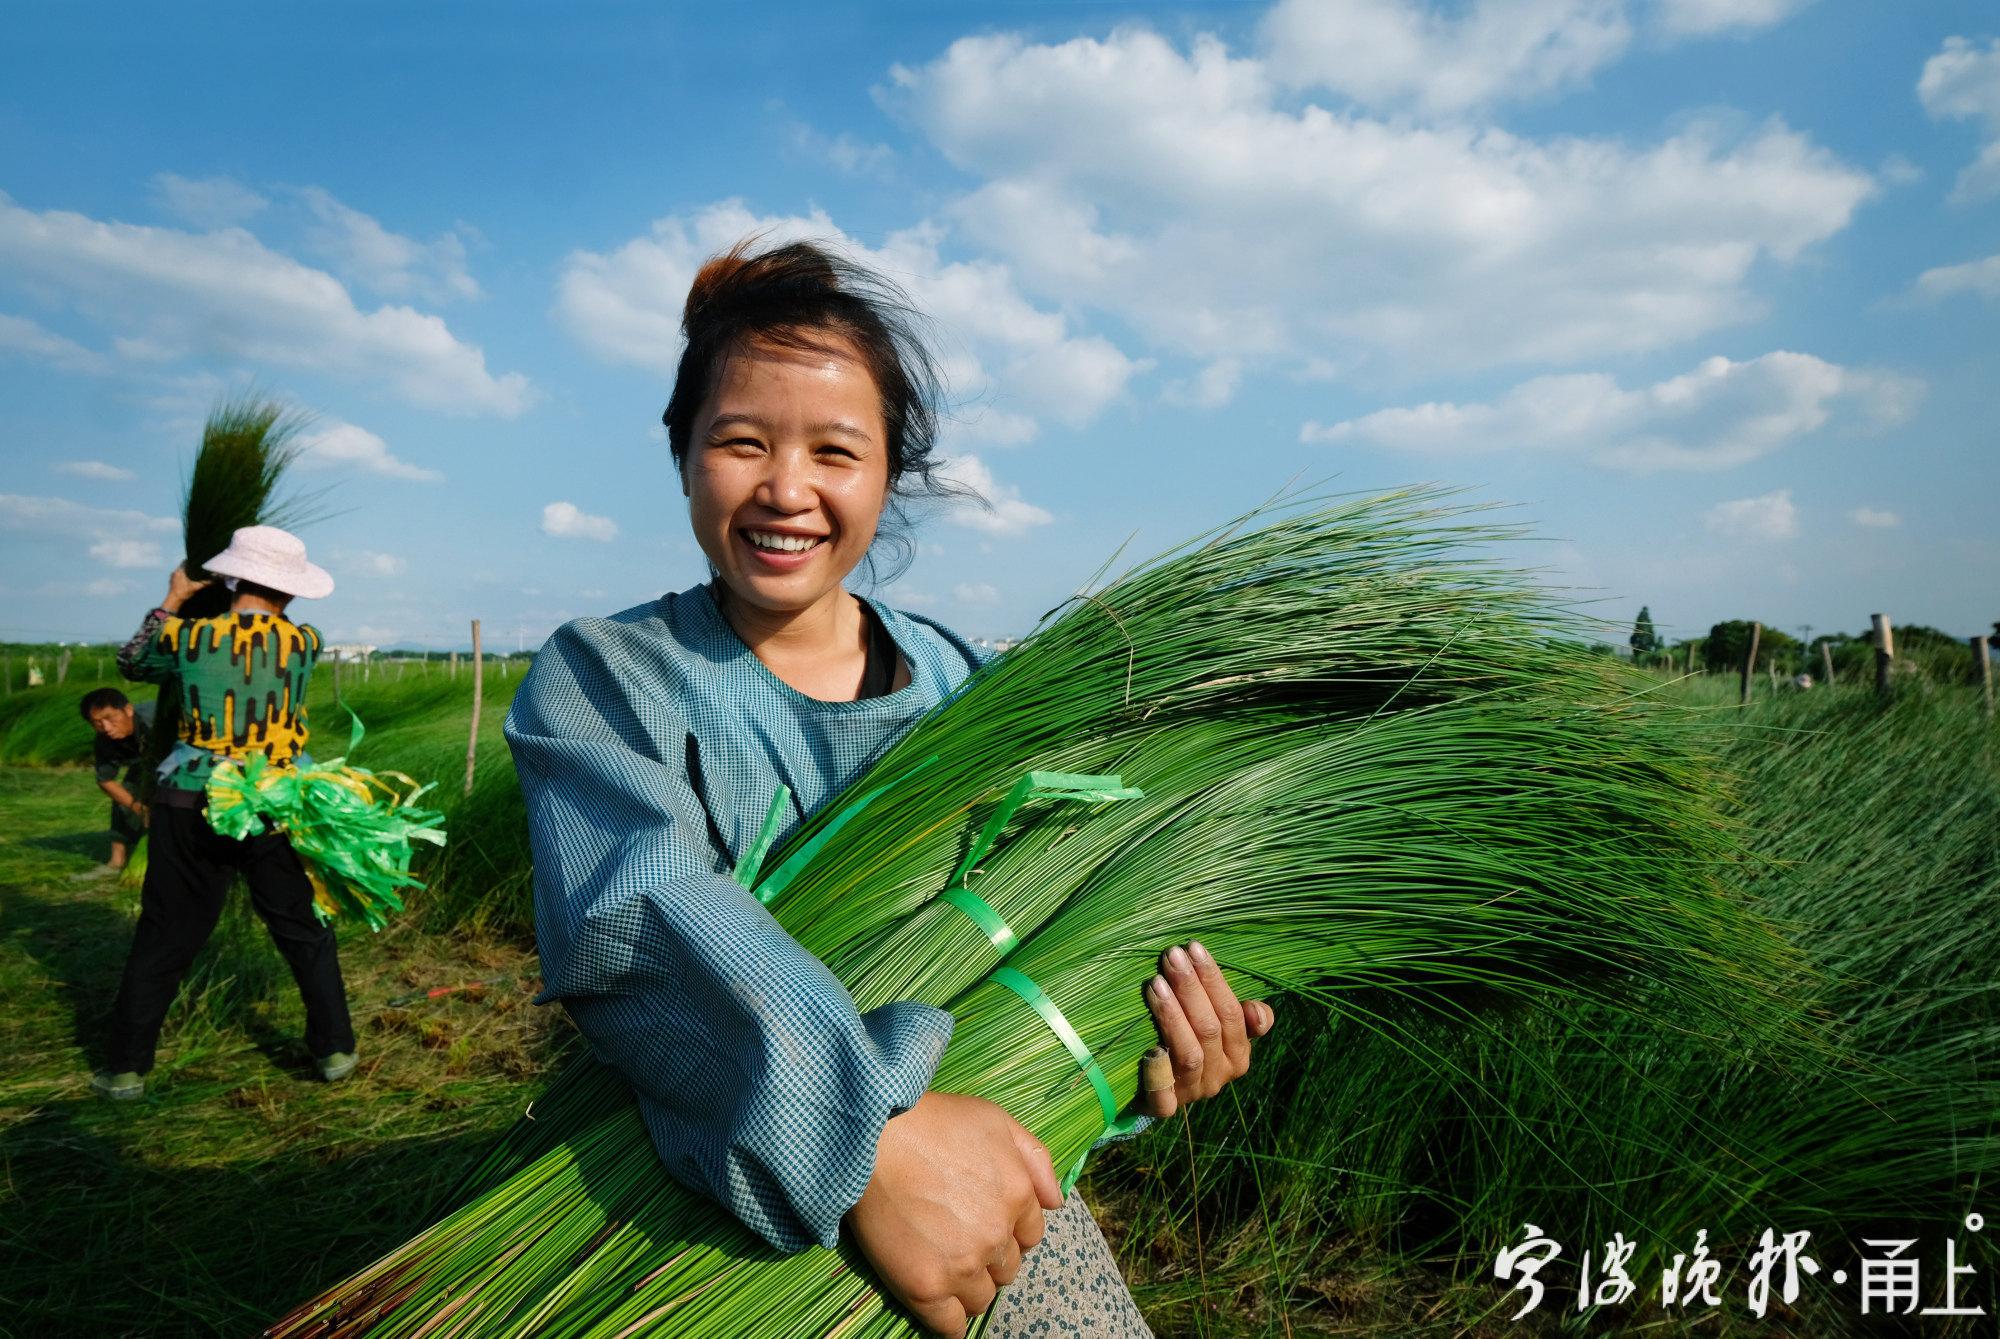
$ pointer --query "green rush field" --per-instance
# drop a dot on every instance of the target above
(1347, 1187)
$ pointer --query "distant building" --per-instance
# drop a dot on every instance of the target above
(346, 651)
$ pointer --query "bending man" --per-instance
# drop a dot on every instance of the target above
(118, 751)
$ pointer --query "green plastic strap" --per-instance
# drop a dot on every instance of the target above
(753, 859)
(1040, 785)
(984, 916)
(781, 877)
(1038, 1000)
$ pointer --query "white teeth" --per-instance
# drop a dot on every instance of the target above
(764, 539)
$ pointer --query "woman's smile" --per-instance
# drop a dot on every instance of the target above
(782, 550)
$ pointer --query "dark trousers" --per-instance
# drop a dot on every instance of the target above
(187, 876)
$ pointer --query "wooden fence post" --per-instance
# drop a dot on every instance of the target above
(1982, 665)
(454, 667)
(336, 678)
(7, 676)
(1750, 662)
(1885, 651)
(1826, 661)
(472, 743)
(62, 667)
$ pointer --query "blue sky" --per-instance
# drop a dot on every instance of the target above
(1708, 289)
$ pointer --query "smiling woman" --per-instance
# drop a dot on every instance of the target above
(650, 745)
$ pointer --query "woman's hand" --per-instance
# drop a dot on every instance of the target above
(1206, 1031)
(179, 586)
(957, 1195)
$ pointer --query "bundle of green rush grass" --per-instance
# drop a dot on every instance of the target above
(1373, 769)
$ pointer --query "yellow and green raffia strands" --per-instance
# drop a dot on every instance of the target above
(1376, 768)
(352, 827)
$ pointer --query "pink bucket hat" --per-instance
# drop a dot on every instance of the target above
(271, 557)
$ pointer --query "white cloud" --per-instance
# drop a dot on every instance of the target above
(115, 537)
(93, 469)
(1706, 18)
(1896, 170)
(60, 516)
(1401, 55)
(1211, 388)
(1020, 360)
(855, 157)
(1128, 176)
(1962, 83)
(977, 423)
(1874, 519)
(344, 445)
(1721, 414)
(130, 553)
(369, 563)
(20, 335)
(1006, 512)
(975, 592)
(1974, 276)
(565, 520)
(106, 588)
(363, 251)
(207, 202)
(1769, 517)
(169, 294)
(1394, 54)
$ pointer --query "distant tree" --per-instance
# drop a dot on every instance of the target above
(1938, 655)
(1729, 642)
(1853, 657)
(1644, 640)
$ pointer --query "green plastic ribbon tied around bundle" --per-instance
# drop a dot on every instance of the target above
(958, 893)
(351, 827)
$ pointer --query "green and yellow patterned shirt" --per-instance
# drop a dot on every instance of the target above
(241, 679)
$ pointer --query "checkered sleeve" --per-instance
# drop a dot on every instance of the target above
(760, 1082)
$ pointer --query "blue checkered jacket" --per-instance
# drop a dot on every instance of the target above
(649, 745)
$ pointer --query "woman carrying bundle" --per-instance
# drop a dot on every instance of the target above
(240, 679)
(649, 744)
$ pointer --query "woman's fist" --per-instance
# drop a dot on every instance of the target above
(957, 1196)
